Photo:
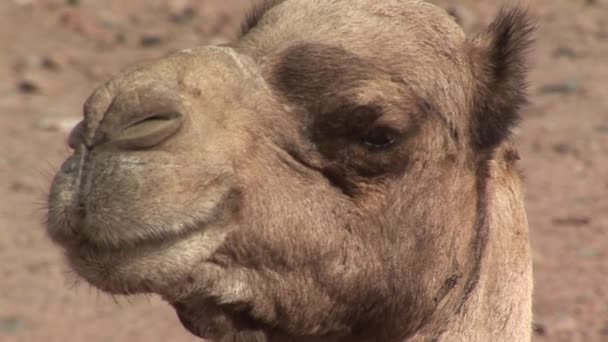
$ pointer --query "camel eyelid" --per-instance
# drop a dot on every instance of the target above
(379, 138)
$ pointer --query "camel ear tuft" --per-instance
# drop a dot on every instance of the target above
(500, 68)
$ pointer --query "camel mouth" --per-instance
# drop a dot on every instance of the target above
(119, 268)
(111, 228)
(83, 241)
(70, 225)
(85, 248)
(104, 202)
(114, 270)
(82, 234)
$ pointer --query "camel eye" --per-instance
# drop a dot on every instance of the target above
(379, 138)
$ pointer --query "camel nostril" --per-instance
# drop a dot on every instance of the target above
(148, 132)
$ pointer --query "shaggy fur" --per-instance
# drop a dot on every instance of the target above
(342, 172)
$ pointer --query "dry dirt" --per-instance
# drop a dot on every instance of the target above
(54, 52)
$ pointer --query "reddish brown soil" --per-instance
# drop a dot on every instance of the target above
(54, 54)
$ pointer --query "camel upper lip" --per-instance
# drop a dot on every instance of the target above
(69, 226)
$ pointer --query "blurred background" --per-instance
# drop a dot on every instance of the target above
(55, 52)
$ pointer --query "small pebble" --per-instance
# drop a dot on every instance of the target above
(588, 252)
(53, 62)
(12, 324)
(576, 221)
(21, 186)
(27, 86)
(180, 11)
(120, 38)
(539, 329)
(56, 124)
(29, 62)
(597, 2)
(563, 148)
(151, 40)
(23, 2)
(564, 52)
(565, 87)
(601, 128)
(50, 62)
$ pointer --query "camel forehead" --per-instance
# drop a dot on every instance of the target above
(357, 23)
(414, 41)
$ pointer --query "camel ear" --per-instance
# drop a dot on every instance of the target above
(499, 69)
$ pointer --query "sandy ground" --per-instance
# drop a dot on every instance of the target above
(54, 52)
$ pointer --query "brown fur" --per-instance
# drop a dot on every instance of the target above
(343, 172)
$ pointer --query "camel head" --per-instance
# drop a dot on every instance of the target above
(341, 172)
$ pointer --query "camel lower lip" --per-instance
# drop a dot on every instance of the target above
(111, 268)
(84, 242)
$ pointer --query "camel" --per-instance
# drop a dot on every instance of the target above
(343, 171)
